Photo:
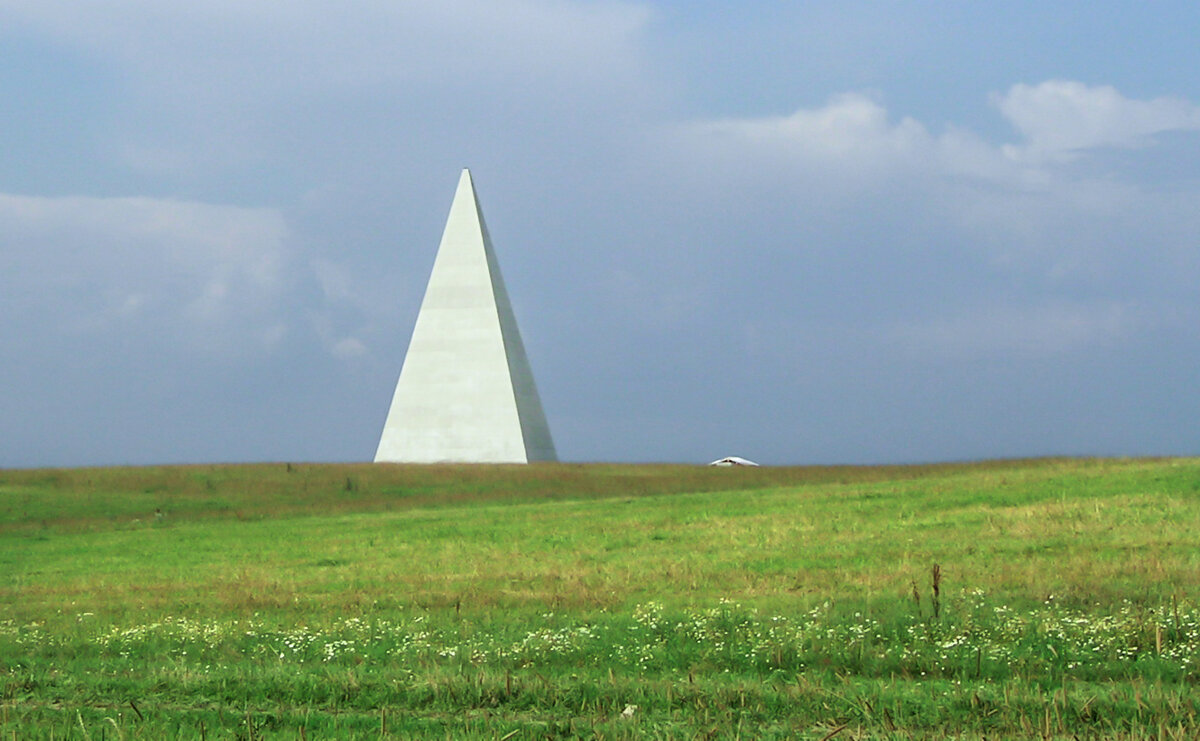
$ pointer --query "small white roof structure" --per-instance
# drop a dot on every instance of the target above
(733, 460)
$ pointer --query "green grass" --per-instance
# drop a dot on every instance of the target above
(290, 601)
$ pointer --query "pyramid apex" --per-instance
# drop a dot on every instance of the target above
(466, 181)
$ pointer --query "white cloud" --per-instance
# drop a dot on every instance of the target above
(851, 142)
(849, 125)
(1058, 118)
(850, 135)
(854, 138)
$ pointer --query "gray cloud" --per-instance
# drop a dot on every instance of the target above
(1018, 210)
(213, 88)
(1021, 330)
(843, 281)
(214, 273)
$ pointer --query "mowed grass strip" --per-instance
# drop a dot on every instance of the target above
(544, 600)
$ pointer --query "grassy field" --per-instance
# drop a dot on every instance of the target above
(1009, 599)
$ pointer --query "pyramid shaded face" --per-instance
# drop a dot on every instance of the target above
(466, 391)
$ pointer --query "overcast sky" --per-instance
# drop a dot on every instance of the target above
(849, 232)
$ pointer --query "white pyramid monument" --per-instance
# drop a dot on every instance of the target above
(466, 391)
